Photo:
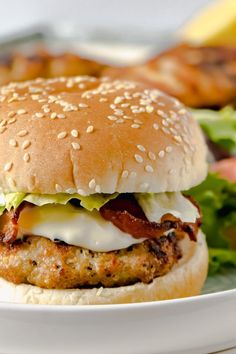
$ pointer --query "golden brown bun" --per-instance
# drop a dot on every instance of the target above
(68, 135)
(185, 279)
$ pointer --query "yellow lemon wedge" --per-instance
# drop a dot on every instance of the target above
(214, 25)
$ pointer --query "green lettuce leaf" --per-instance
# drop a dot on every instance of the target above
(217, 200)
(95, 201)
(219, 126)
(13, 200)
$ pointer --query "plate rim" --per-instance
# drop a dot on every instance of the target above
(116, 307)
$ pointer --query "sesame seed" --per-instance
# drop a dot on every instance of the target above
(8, 166)
(182, 111)
(149, 109)
(2, 129)
(35, 97)
(81, 86)
(173, 131)
(26, 157)
(168, 149)
(135, 126)
(103, 99)
(69, 84)
(74, 133)
(13, 142)
(125, 174)
(165, 123)
(118, 100)
(136, 111)
(58, 187)
(141, 148)
(53, 115)
(46, 110)
(120, 120)
(124, 105)
(90, 129)
(92, 184)
(178, 138)
(118, 112)
(155, 126)
(83, 105)
(138, 121)
(39, 115)
(21, 111)
(113, 106)
(52, 99)
(12, 99)
(71, 190)
(25, 144)
(70, 108)
(137, 94)
(81, 191)
(148, 168)
(3, 123)
(22, 133)
(98, 189)
(151, 155)
(138, 158)
(113, 118)
(165, 130)
(161, 154)
(12, 120)
(173, 114)
(76, 146)
(61, 116)
(62, 135)
(11, 114)
(98, 293)
(161, 113)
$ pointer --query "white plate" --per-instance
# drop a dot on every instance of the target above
(200, 324)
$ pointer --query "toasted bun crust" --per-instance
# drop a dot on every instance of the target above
(185, 279)
(90, 135)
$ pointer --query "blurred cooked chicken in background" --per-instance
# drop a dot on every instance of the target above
(198, 76)
(19, 67)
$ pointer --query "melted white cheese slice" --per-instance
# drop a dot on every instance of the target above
(157, 205)
(79, 227)
(75, 226)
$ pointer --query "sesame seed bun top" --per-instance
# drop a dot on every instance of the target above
(90, 135)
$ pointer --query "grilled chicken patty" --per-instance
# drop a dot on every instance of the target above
(55, 265)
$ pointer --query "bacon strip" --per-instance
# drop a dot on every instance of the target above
(124, 212)
(9, 223)
(120, 213)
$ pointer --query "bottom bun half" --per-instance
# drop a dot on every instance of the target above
(185, 279)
